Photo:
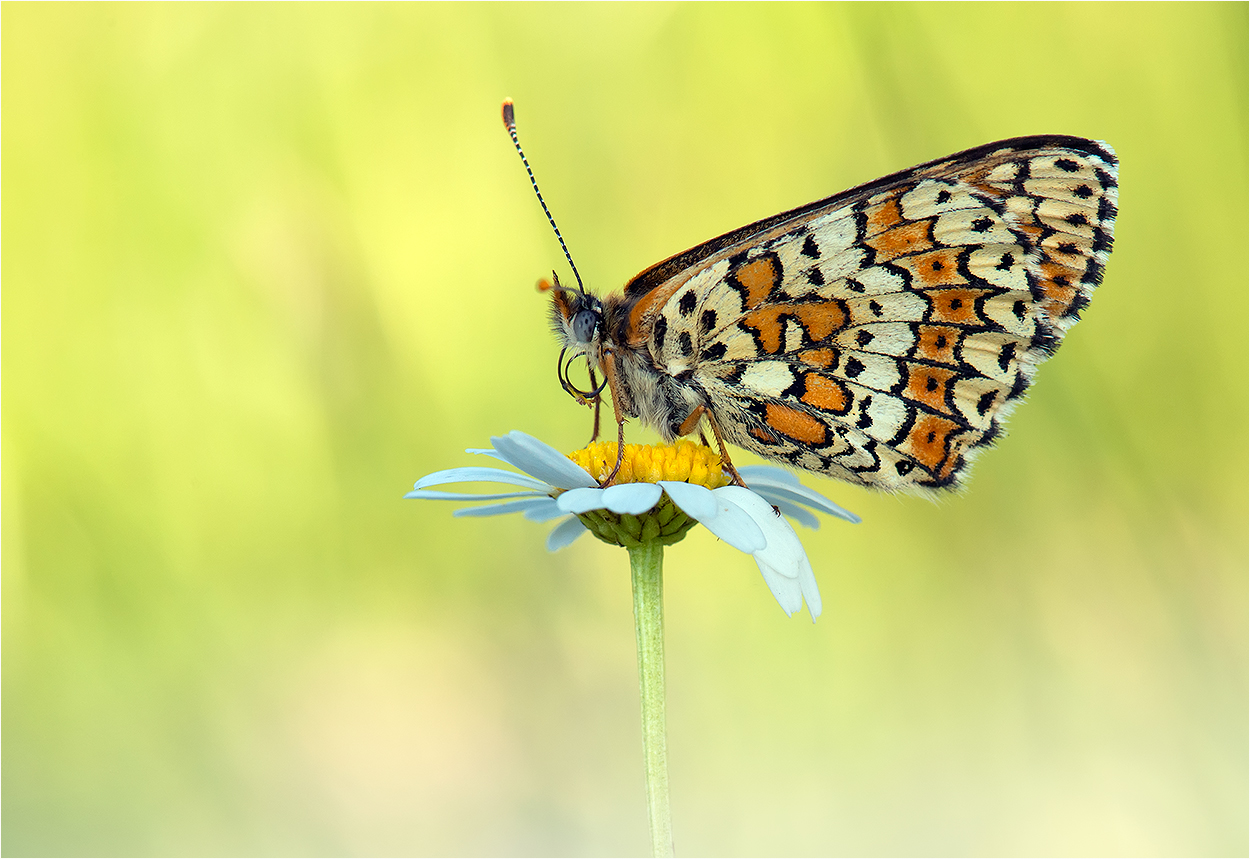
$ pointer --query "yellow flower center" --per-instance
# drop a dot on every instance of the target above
(643, 463)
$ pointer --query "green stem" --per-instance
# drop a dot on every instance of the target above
(646, 563)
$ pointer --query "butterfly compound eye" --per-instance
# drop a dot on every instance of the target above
(585, 323)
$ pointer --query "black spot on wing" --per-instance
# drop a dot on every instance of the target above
(1079, 303)
(987, 400)
(714, 352)
(1005, 356)
(1093, 272)
(1102, 241)
(1045, 341)
(991, 434)
(864, 421)
(797, 388)
(658, 332)
(1018, 387)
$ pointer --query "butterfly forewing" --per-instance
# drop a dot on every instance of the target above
(881, 335)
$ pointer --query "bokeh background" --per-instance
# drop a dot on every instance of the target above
(265, 265)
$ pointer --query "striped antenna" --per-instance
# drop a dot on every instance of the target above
(509, 121)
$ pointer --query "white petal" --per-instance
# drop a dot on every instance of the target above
(478, 474)
(633, 498)
(782, 550)
(784, 558)
(695, 501)
(782, 561)
(732, 524)
(564, 533)
(802, 515)
(485, 451)
(811, 592)
(436, 495)
(788, 591)
(541, 460)
(800, 494)
(521, 505)
(580, 500)
(544, 511)
(768, 472)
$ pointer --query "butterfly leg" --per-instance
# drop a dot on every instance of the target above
(609, 374)
(692, 422)
(620, 450)
(594, 433)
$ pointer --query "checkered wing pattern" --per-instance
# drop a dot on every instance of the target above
(882, 335)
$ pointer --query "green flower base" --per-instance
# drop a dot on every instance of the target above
(665, 524)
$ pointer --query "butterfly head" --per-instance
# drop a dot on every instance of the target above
(577, 319)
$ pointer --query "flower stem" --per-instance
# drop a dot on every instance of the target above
(646, 564)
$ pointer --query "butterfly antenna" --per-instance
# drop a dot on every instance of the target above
(509, 121)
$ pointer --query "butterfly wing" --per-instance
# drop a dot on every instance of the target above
(882, 335)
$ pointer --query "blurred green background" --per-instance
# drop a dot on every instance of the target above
(265, 265)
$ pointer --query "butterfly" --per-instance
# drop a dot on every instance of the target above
(880, 336)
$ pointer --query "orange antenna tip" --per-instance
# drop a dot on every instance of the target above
(509, 118)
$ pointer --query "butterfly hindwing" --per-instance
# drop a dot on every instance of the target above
(880, 336)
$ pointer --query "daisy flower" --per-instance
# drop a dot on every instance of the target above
(660, 493)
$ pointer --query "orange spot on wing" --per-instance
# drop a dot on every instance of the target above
(821, 318)
(1058, 283)
(759, 278)
(817, 357)
(955, 305)
(927, 441)
(882, 217)
(825, 394)
(798, 425)
(906, 239)
(936, 268)
(818, 318)
(937, 343)
(954, 456)
(767, 321)
(1058, 301)
(928, 385)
